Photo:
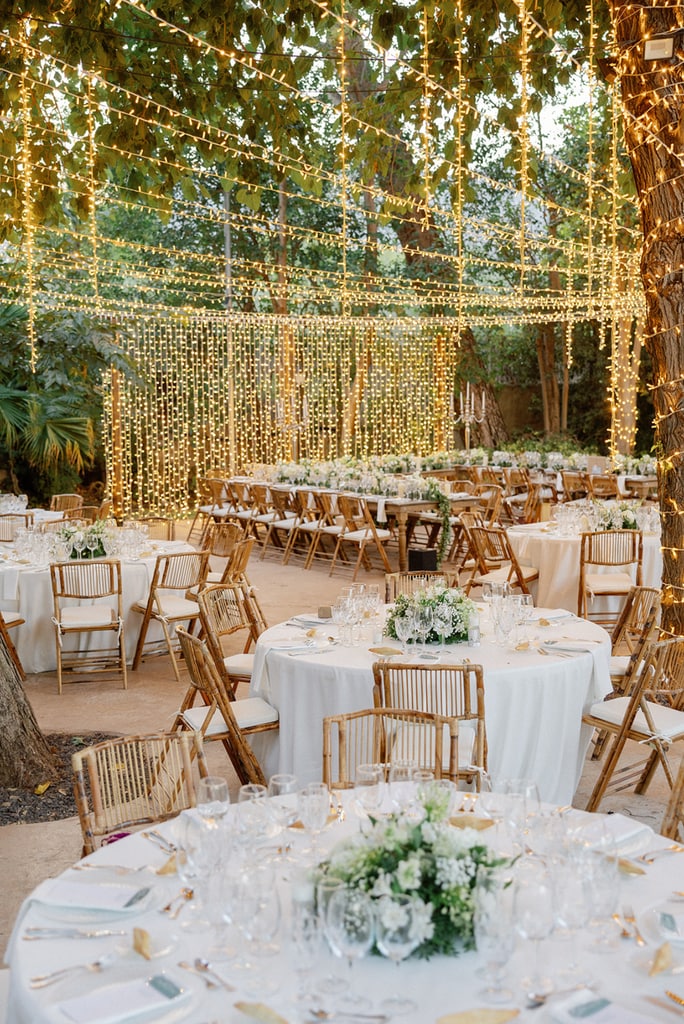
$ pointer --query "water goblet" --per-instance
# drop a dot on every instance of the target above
(533, 915)
(213, 799)
(253, 817)
(424, 624)
(401, 785)
(368, 789)
(404, 627)
(493, 929)
(396, 937)
(283, 788)
(350, 929)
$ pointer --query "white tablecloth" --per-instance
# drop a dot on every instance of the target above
(558, 561)
(28, 590)
(439, 986)
(533, 703)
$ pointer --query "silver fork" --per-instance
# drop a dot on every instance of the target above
(628, 914)
(41, 980)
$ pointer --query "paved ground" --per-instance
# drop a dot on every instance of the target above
(30, 853)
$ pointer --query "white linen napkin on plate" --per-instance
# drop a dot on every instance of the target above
(60, 892)
(121, 1001)
(588, 1005)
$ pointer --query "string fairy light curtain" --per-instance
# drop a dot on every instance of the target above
(366, 357)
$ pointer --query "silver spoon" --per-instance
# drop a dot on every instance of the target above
(205, 968)
(189, 967)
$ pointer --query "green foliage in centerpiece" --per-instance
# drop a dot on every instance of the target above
(448, 604)
(618, 515)
(419, 854)
(93, 545)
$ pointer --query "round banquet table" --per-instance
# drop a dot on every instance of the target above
(557, 558)
(27, 589)
(533, 703)
(439, 986)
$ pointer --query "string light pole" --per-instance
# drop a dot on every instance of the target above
(292, 416)
(468, 411)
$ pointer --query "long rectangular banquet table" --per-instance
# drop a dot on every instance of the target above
(27, 589)
(440, 986)
(533, 701)
(557, 557)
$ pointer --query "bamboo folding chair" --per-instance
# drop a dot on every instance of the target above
(360, 531)
(673, 820)
(651, 714)
(158, 527)
(602, 486)
(410, 582)
(635, 628)
(11, 522)
(132, 781)
(610, 565)
(87, 602)
(381, 735)
(82, 514)
(329, 523)
(495, 560)
(221, 541)
(575, 485)
(288, 514)
(167, 603)
(524, 507)
(455, 691)
(219, 717)
(202, 520)
(8, 620)
(224, 615)
(65, 502)
(309, 521)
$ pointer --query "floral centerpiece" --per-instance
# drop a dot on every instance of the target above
(419, 854)
(451, 613)
(617, 515)
(84, 541)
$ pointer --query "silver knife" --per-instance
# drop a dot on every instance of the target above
(68, 933)
(314, 650)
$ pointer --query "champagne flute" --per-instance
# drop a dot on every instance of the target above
(314, 807)
(213, 799)
(493, 929)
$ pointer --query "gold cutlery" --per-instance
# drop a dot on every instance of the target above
(624, 930)
(674, 997)
(173, 907)
(628, 914)
(664, 1005)
(41, 980)
(651, 855)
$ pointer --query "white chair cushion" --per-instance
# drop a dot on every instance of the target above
(12, 617)
(239, 664)
(248, 712)
(619, 664)
(85, 615)
(175, 607)
(668, 722)
(528, 572)
(608, 583)
(365, 534)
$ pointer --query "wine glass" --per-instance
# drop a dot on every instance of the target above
(331, 984)
(350, 929)
(283, 788)
(404, 627)
(493, 929)
(369, 789)
(191, 869)
(213, 799)
(314, 807)
(424, 623)
(401, 784)
(442, 622)
(306, 932)
(396, 938)
(569, 875)
(253, 816)
(533, 915)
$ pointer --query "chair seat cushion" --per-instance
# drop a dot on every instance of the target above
(619, 664)
(250, 712)
(668, 722)
(175, 607)
(528, 572)
(366, 534)
(239, 664)
(608, 583)
(84, 615)
(13, 619)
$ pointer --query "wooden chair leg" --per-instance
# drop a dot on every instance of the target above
(606, 774)
(137, 657)
(656, 757)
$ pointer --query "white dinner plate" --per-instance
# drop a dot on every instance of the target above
(664, 923)
(83, 902)
(160, 996)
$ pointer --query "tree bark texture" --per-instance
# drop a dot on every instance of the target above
(492, 432)
(654, 131)
(25, 758)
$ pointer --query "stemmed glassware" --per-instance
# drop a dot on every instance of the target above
(350, 929)
(253, 813)
(369, 788)
(283, 787)
(213, 799)
(424, 623)
(314, 807)
(493, 929)
(401, 785)
(533, 915)
(396, 938)
(404, 626)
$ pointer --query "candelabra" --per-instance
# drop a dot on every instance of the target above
(468, 411)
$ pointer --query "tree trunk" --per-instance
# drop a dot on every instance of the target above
(546, 358)
(627, 356)
(25, 758)
(654, 133)
(492, 432)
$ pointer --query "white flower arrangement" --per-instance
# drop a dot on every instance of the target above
(420, 855)
(555, 461)
(617, 515)
(451, 609)
(504, 459)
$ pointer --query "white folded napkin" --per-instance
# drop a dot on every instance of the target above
(291, 645)
(120, 899)
(310, 620)
(587, 1005)
(122, 1001)
(540, 613)
(572, 646)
